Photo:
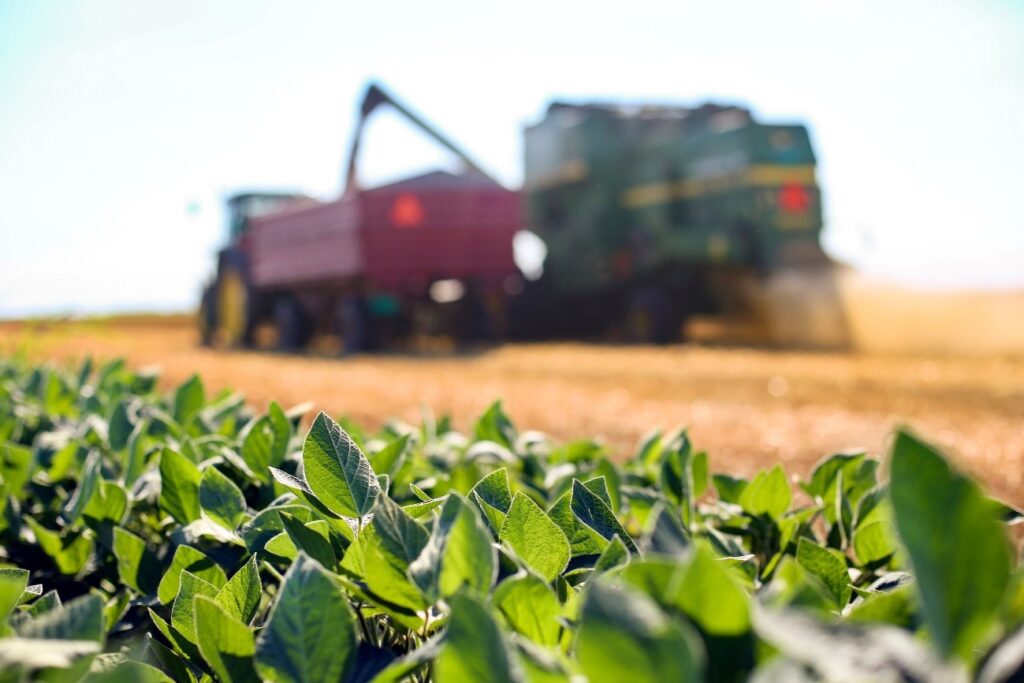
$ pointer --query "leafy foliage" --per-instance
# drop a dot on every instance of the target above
(184, 537)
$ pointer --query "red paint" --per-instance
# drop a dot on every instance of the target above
(406, 211)
(794, 198)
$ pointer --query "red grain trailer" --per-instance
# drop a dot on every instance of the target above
(424, 254)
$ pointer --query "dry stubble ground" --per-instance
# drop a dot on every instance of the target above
(748, 408)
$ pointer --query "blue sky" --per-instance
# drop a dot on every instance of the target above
(123, 124)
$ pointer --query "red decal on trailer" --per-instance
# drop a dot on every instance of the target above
(406, 211)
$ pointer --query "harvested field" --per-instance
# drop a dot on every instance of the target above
(747, 407)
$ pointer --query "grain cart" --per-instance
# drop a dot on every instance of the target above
(652, 215)
(430, 253)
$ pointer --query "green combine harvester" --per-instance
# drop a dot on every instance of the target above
(653, 215)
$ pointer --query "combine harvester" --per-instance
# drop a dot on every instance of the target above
(658, 221)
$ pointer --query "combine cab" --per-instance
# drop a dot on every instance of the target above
(428, 254)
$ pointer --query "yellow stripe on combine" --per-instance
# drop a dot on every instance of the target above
(764, 175)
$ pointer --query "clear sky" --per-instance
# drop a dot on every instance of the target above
(124, 123)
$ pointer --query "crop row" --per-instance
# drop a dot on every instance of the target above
(152, 536)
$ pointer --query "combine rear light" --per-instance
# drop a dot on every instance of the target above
(794, 198)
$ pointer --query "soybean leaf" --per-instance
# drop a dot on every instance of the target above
(337, 471)
(593, 512)
(226, 644)
(179, 486)
(493, 495)
(258, 448)
(309, 541)
(136, 566)
(188, 399)
(710, 595)
(474, 649)
(385, 459)
(221, 499)
(12, 586)
(829, 566)
(768, 493)
(458, 554)
(182, 611)
(80, 619)
(195, 561)
(530, 607)
(119, 427)
(240, 596)
(623, 636)
(956, 544)
(582, 539)
(310, 635)
(535, 538)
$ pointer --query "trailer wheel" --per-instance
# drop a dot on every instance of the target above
(357, 325)
(290, 321)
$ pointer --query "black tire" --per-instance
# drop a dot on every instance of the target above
(292, 326)
(650, 318)
(357, 325)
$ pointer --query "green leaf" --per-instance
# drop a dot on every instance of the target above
(768, 494)
(614, 555)
(474, 649)
(458, 554)
(337, 471)
(309, 541)
(12, 585)
(109, 502)
(535, 538)
(710, 595)
(400, 535)
(385, 460)
(258, 448)
(136, 567)
(188, 399)
(623, 636)
(593, 512)
(956, 544)
(240, 596)
(179, 486)
(829, 566)
(874, 542)
(495, 426)
(182, 611)
(493, 496)
(282, 427)
(80, 619)
(530, 607)
(310, 634)
(729, 488)
(582, 539)
(120, 427)
(195, 561)
(221, 499)
(226, 644)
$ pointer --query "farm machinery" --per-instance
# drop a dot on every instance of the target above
(653, 217)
